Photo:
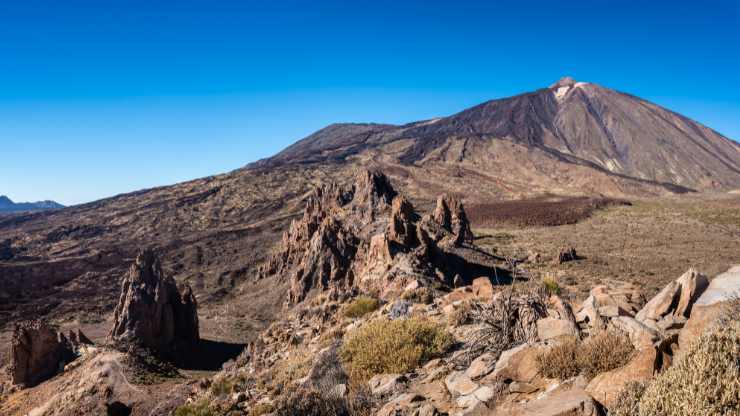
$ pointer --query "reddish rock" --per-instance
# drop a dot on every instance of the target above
(37, 353)
(450, 215)
(151, 311)
(606, 386)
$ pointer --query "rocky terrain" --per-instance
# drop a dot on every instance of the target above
(519, 257)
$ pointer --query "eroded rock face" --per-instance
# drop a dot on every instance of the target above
(366, 236)
(37, 353)
(152, 312)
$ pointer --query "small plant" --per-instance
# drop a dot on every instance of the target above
(551, 285)
(314, 402)
(392, 346)
(260, 409)
(195, 409)
(423, 295)
(361, 307)
(460, 315)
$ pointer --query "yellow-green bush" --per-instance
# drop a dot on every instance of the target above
(423, 295)
(361, 307)
(599, 353)
(706, 381)
(398, 346)
(551, 285)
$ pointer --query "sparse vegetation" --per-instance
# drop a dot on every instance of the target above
(199, 408)
(260, 409)
(627, 402)
(705, 382)
(314, 402)
(361, 307)
(551, 285)
(423, 295)
(599, 353)
(460, 315)
(392, 346)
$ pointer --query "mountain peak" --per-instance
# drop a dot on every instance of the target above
(564, 82)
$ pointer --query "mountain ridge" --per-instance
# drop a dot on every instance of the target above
(8, 206)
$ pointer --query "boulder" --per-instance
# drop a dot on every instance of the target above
(459, 384)
(553, 328)
(481, 366)
(37, 353)
(482, 288)
(605, 387)
(562, 401)
(641, 335)
(516, 364)
(711, 306)
(566, 255)
(676, 298)
(383, 384)
(151, 311)
(450, 215)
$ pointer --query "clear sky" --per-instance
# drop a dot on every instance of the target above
(104, 97)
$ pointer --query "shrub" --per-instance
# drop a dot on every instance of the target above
(392, 346)
(195, 409)
(460, 315)
(601, 352)
(628, 400)
(706, 381)
(313, 402)
(423, 295)
(560, 361)
(361, 307)
(260, 409)
(551, 285)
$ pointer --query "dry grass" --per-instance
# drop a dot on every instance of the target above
(196, 409)
(599, 353)
(361, 307)
(392, 346)
(423, 295)
(705, 382)
(315, 402)
(461, 315)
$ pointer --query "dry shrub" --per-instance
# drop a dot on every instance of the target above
(706, 381)
(602, 352)
(560, 361)
(315, 402)
(361, 307)
(628, 400)
(195, 409)
(289, 369)
(510, 320)
(392, 346)
(423, 295)
(461, 315)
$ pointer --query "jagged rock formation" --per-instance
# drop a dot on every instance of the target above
(37, 353)
(367, 237)
(152, 312)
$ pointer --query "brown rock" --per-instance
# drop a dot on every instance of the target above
(402, 228)
(516, 364)
(640, 334)
(606, 386)
(565, 401)
(37, 353)
(482, 288)
(565, 255)
(152, 313)
(450, 215)
(553, 328)
(676, 298)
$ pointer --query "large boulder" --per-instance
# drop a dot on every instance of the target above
(676, 299)
(605, 387)
(37, 353)
(714, 302)
(152, 312)
(565, 400)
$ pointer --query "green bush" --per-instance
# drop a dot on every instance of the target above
(551, 285)
(706, 381)
(361, 307)
(398, 346)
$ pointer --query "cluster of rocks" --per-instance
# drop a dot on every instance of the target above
(153, 313)
(38, 352)
(366, 236)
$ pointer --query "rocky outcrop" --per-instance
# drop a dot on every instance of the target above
(37, 353)
(6, 250)
(152, 312)
(365, 237)
(669, 309)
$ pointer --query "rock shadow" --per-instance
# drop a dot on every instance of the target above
(210, 355)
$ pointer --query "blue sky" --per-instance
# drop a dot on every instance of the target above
(104, 97)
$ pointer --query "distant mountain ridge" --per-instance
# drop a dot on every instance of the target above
(7, 205)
